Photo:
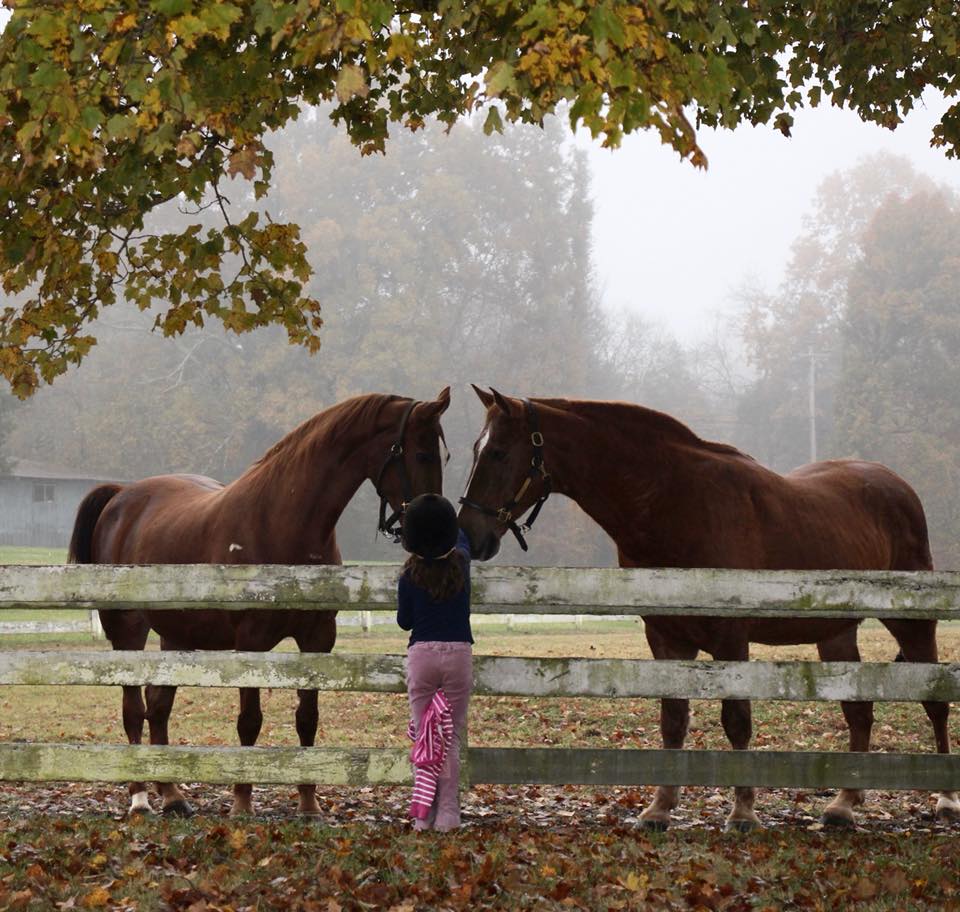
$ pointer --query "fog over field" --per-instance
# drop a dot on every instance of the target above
(672, 242)
(801, 294)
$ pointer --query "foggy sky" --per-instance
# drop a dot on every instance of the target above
(671, 242)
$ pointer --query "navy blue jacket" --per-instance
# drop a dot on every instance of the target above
(447, 621)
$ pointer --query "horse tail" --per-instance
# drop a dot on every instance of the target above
(81, 542)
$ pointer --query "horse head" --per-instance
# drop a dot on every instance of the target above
(508, 476)
(410, 461)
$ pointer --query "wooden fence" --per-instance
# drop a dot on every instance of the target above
(496, 590)
(89, 625)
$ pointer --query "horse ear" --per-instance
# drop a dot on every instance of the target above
(485, 397)
(443, 400)
(436, 407)
(501, 401)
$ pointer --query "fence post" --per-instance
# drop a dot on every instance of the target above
(96, 628)
(366, 621)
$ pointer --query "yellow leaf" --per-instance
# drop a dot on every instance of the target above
(357, 30)
(124, 23)
(635, 883)
(402, 46)
(107, 261)
(351, 81)
(96, 898)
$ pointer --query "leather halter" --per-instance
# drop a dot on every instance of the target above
(505, 513)
(388, 525)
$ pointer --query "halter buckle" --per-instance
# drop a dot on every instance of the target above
(536, 438)
(396, 449)
(504, 515)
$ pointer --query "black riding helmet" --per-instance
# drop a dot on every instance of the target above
(429, 526)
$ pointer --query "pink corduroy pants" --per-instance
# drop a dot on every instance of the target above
(432, 665)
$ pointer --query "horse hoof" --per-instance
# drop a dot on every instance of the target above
(948, 814)
(837, 821)
(653, 825)
(741, 826)
(177, 809)
(140, 811)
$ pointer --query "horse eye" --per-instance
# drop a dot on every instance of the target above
(425, 457)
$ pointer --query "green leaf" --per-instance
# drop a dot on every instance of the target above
(172, 7)
(121, 126)
(219, 18)
(605, 25)
(91, 117)
(500, 78)
(493, 123)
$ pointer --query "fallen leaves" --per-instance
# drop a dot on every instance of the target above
(97, 898)
(599, 863)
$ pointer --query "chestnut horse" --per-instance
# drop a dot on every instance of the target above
(669, 499)
(282, 510)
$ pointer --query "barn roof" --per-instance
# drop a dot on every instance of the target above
(30, 468)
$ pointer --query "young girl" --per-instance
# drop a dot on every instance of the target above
(433, 602)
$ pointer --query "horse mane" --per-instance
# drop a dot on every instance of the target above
(361, 411)
(650, 420)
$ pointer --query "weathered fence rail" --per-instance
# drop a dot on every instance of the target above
(497, 590)
(496, 675)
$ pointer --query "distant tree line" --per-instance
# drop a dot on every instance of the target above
(462, 258)
(872, 293)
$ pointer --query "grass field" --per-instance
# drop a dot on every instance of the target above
(17, 555)
(70, 846)
(207, 716)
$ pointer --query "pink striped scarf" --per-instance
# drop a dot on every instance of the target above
(430, 746)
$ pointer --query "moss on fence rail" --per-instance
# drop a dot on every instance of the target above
(385, 766)
(495, 675)
(496, 590)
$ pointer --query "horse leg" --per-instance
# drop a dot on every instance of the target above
(737, 721)
(320, 638)
(308, 716)
(674, 721)
(918, 643)
(159, 704)
(129, 630)
(249, 722)
(134, 714)
(859, 716)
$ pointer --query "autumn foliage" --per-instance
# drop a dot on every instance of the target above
(109, 108)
